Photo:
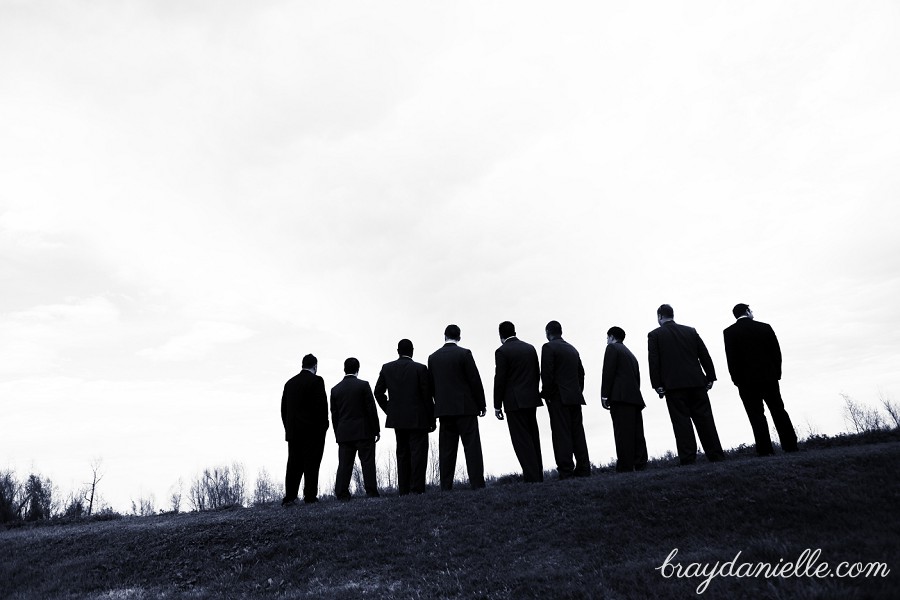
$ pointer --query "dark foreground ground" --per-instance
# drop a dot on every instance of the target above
(603, 537)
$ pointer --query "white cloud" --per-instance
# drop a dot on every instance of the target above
(203, 338)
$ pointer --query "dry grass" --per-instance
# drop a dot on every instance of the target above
(602, 537)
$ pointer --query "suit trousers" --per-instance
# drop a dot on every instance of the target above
(628, 430)
(526, 441)
(347, 452)
(689, 406)
(412, 460)
(454, 429)
(567, 432)
(753, 395)
(304, 459)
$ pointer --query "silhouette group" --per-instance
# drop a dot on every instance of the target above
(449, 388)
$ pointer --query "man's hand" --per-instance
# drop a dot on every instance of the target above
(661, 391)
(433, 426)
(499, 414)
(604, 402)
(709, 385)
(377, 437)
(483, 412)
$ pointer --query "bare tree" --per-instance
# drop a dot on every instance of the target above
(219, 487)
(90, 493)
(266, 490)
(11, 503)
(434, 462)
(891, 407)
(387, 470)
(175, 497)
(861, 418)
(144, 507)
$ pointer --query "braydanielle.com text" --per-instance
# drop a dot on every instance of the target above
(807, 565)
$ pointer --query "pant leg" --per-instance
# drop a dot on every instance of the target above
(752, 398)
(448, 446)
(623, 419)
(685, 441)
(561, 434)
(418, 455)
(640, 443)
(366, 450)
(312, 460)
(702, 416)
(346, 458)
(579, 442)
(526, 441)
(293, 471)
(404, 465)
(780, 418)
(471, 441)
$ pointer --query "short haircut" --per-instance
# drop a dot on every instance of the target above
(617, 332)
(452, 332)
(309, 361)
(666, 311)
(740, 310)
(507, 329)
(405, 347)
(553, 328)
(351, 365)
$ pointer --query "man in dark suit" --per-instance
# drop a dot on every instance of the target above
(562, 378)
(458, 402)
(620, 394)
(516, 382)
(754, 362)
(682, 371)
(403, 392)
(304, 413)
(356, 429)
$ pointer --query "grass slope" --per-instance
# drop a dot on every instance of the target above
(601, 537)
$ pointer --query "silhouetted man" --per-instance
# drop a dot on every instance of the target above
(620, 394)
(562, 378)
(516, 383)
(682, 371)
(754, 362)
(403, 392)
(304, 413)
(458, 402)
(356, 430)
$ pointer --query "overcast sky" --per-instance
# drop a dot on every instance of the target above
(193, 195)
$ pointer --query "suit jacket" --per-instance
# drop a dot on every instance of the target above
(353, 411)
(455, 382)
(408, 402)
(517, 377)
(304, 406)
(753, 353)
(621, 381)
(562, 373)
(676, 355)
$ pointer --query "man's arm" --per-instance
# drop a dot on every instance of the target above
(609, 371)
(474, 379)
(380, 389)
(653, 360)
(371, 411)
(580, 375)
(320, 399)
(548, 378)
(776, 350)
(730, 354)
(705, 360)
(500, 376)
(425, 395)
(284, 407)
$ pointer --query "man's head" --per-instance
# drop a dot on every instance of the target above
(310, 363)
(351, 366)
(452, 333)
(615, 334)
(664, 313)
(507, 330)
(405, 348)
(741, 310)
(553, 330)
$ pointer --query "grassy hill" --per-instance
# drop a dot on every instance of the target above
(602, 537)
